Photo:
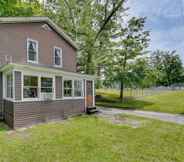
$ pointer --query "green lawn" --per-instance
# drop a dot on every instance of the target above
(91, 139)
(171, 102)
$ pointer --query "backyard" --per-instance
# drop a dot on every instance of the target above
(94, 139)
(160, 101)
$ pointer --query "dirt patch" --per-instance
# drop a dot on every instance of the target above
(20, 133)
(119, 120)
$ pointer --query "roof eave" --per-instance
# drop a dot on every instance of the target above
(5, 20)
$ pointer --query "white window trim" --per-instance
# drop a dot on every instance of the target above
(37, 47)
(82, 88)
(5, 86)
(30, 99)
(72, 97)
(39, 85)
(64, 79)
(61, 57)
(44, 74)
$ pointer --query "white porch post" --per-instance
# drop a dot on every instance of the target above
(93, 93)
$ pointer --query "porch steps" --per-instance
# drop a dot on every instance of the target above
(91, 110)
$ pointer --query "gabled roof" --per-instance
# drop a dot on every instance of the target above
(7, 20)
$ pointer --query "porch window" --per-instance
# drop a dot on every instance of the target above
(32, 51)
(46, 85)
(9, 85)
(67, 88)
(57, 56)
(78, 90)
(30, 87)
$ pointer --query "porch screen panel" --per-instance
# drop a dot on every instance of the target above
(58, 87)
(18, 83)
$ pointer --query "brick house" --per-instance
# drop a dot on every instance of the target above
(38, 79)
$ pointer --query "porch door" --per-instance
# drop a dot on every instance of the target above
(89, 93)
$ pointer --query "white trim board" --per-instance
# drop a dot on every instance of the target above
(48, 70)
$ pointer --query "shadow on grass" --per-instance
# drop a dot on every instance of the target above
(129, 103)
(3, 127)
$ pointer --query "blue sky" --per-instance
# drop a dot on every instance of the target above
(165, 20)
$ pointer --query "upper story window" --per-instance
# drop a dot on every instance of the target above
(57, 56)
(32, 51)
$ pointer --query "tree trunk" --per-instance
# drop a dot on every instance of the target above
(99, 82)
(89, 68)
(121, 91)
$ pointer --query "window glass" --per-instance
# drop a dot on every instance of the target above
(46, 85)
(67, 88)
(32, 50)
(9, 86)
(78, 90)
(57, 56)
(30, 87)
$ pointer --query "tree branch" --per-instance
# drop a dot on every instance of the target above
(114, 10)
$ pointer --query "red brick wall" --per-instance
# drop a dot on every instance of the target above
(13, 42)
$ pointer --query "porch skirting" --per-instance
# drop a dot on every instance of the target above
(22, 114)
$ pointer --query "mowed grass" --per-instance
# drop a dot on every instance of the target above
(92, 139)
(170, 102)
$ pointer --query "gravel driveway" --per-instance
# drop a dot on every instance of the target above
(175, 118)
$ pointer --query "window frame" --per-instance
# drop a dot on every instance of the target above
(46, 87)
(73, 96)
(67, 97)
(38, 90)
(37, 47)
(82, 88)
(39, 75)
(12, 86)
(61, 57)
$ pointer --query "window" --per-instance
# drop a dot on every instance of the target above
(30, 87)
(78, 90)
(32, 51)
(58, 56)
(46, 85)
(9, 85)
(67, 88)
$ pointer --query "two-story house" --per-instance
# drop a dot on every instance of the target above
(38, 79)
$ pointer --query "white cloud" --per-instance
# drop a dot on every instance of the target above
(165, 19)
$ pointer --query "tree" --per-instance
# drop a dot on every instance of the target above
(168, 66)
(133, 40)
(145, 74)
(19, 8)
(91, 24)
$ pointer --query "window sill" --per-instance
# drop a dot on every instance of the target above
(32, 62)
(58, 66)
(8, 99)
(72, 98)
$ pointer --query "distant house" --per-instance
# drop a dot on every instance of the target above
(38, 79)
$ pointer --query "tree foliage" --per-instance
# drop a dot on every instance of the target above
(168, 66)
(91, 24)
(131, 43)
(19, 8)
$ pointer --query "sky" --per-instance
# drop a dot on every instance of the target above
(165, 20)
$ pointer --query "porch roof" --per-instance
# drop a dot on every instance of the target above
(43, 68)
